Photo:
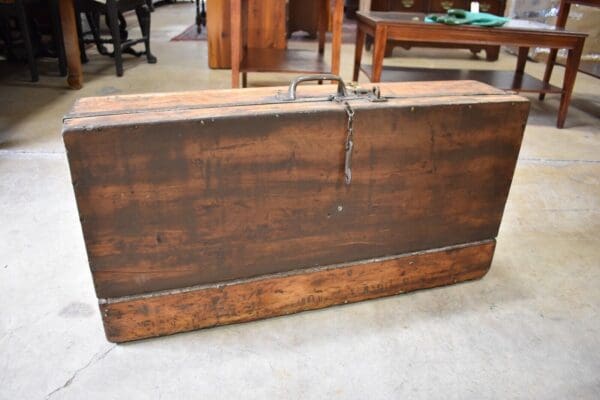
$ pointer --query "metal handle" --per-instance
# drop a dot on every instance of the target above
(408, 3)
(446, 5)
(341, 89)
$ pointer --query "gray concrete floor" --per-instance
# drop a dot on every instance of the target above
(530, 329)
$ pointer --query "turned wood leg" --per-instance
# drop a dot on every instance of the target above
(71, 42)
(358, 50)
(569, 82)
(143, 16)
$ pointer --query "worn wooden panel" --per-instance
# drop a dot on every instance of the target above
(168, 313)
(218, 32)
(191, 201)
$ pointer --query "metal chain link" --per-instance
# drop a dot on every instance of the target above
(349, 144)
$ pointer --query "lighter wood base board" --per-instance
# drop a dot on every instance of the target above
(166, 313)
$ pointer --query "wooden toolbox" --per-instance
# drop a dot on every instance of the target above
(222, 206)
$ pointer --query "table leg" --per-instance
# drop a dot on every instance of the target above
(336, 40)
(522, 59)
(69, 30)
(561, 21)
(323, 20)
(569, 82)
(360, 42)
(236, 41)
(378, 52)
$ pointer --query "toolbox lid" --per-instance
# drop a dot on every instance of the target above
(224, 98)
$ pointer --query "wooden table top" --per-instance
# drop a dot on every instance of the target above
(417, 20)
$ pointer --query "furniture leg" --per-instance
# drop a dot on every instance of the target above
(80, 41)
(549, 68)
(521, 60)
(236, 41)
(492, 53)
(143, 16)
(57, 38)
(336, 41)
(198, 21)
(112, 14)
(561, 22)
(322, 25)
(244, 79)
(93, 20)
(378, 52)
(569, 82)
(24, 26)
(358, 49)
(69, 31)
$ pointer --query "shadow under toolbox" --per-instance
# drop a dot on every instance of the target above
(221, 206)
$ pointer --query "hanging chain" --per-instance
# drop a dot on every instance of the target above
(349, 144)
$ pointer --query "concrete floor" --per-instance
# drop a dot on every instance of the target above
(530, 329)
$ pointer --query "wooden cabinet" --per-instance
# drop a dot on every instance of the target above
(441, 6)
(437, 6)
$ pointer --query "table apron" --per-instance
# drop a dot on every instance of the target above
(523, 39)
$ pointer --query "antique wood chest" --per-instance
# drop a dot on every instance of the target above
(222, 206)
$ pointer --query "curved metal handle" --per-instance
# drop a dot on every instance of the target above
(341, 89)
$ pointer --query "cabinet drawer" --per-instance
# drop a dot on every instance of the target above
(441, 6)
(492, 6)
(408, 5)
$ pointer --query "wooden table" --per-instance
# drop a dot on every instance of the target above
(275, 57)
(69, 29)
(561, 22)
(523, 34)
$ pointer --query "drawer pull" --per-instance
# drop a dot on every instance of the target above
(485, 7)
(446, 5)
(408, 3)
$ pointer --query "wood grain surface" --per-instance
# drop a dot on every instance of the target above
(168, 313)
(171, 199)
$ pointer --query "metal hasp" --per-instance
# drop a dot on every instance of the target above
(373, 95)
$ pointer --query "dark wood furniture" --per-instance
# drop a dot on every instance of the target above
(221, 206)
(121, 43)
(18, 9)
(561, 22)
(496, 7)
(262, 56)
(524, 34)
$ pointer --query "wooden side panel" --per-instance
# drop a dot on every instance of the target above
(192, 202)
(218, 29)
(266, 21)
(169, 313)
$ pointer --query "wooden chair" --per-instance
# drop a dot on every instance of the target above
(18, 9)
(113, 11)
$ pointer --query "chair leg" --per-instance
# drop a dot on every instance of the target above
(143, 15)
(112, 14)
(93, 20)
(83, 55)
(57, 38)
(24, 26)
